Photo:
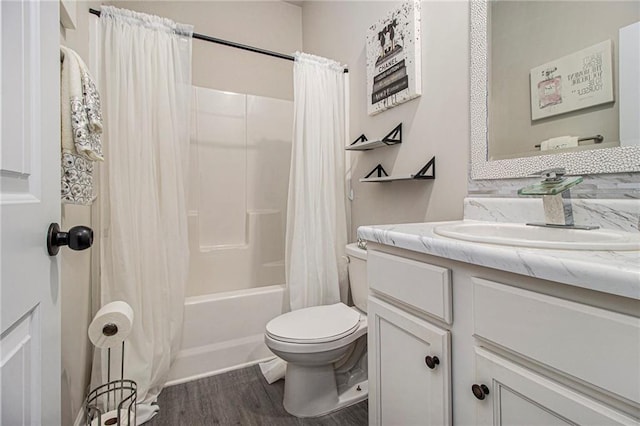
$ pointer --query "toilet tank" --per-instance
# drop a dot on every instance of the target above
(358, 276)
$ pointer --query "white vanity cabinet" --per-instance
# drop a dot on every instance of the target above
(519, 350)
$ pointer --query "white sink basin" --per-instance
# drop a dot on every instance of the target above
(539, 237)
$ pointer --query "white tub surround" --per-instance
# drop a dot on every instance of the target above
(614, 272)
(237, 217)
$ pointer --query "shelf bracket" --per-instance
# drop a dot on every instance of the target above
(361, 138)
(394, 136)
(379, 170)
(422, 173)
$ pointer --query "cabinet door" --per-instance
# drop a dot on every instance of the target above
(403, 389)
(518, 396)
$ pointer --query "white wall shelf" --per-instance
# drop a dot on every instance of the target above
(392, 178)
(428, 172)
(363, 144)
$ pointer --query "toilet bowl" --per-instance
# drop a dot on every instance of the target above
(321, 342)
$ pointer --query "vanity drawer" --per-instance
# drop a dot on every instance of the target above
(592, 344)
(422, 286)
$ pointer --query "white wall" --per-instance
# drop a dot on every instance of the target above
(437, 123)
(77, 351)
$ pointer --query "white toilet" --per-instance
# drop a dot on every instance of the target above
(325, 349)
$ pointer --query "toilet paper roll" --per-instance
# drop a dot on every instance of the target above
(111, 418)
(111, 325)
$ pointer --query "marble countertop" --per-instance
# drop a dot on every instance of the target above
(614, 272)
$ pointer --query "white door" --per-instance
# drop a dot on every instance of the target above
(29, 201)
(404, 387)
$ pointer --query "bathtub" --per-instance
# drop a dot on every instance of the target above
(225, 331)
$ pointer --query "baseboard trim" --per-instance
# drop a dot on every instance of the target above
(209, 360)
(214, 373)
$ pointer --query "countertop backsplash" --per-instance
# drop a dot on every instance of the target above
(602, 186)
(620, 214)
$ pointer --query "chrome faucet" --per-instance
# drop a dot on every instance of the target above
(556, 198)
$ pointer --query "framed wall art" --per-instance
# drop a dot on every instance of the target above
(576, 81)
(393, 58)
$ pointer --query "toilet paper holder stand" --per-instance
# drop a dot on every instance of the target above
(114, 402)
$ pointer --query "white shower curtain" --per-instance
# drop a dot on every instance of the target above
(144, 256)
(316, 214)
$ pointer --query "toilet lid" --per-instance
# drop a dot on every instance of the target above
(317, 324)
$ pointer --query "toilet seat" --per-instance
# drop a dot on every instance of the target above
(317, 324)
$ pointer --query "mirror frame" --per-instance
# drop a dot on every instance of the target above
(595, 161)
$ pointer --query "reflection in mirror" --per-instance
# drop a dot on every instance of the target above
(551, 75)
(541, 117)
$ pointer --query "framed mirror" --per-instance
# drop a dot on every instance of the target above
(488, 163)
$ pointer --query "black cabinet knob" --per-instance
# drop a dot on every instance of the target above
(78, 238)
(480, 391)
(431, 361)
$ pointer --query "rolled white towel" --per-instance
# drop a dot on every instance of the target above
(559, 142)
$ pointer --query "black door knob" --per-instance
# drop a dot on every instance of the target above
(480, 391)
(431, 361)
(78, 238)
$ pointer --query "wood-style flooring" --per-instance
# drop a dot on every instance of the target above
(240, 397)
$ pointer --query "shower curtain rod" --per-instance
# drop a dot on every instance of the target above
(232, 44)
